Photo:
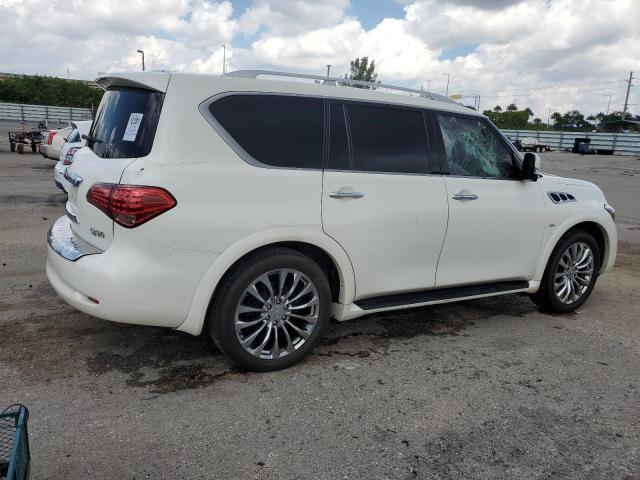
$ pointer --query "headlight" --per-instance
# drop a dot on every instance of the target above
(610, 210)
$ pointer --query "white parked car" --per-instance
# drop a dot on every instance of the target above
(55, 139)
(293, 202)
(74, 143)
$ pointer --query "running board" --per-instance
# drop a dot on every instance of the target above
(439, 294)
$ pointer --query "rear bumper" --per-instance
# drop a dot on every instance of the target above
(58, 177)
(133, 281)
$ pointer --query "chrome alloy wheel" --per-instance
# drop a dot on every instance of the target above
(277, 313)
(574, 273)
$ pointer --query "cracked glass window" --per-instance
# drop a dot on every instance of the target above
(473, 150)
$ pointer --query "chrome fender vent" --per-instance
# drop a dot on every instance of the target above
(561, 197)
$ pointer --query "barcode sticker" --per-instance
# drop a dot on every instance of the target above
(132, 127)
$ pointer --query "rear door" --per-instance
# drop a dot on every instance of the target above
(122, 131)
(380, 200)
(496, 220)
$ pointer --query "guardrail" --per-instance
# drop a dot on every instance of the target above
(619, 143)
(20, 112)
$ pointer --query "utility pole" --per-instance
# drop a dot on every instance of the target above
(608, 104)
(447, 94)
(224, 59)
(549, 119)
(142, 53)
(626, 100)
(328, 70)
(428, 86)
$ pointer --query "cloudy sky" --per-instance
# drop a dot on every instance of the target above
(558, 54)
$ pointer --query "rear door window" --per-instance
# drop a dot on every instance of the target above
(388, 139)
(276, 130)
(125, 123)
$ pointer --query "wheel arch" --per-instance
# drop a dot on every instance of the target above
(604, 235)
(325, 251)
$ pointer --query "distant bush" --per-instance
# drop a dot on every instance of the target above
(40, 90)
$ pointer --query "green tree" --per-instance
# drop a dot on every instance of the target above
(363, 70)
(40, 90)
(572, 120)
(512, 118)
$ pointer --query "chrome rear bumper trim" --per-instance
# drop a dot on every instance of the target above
(64, 243)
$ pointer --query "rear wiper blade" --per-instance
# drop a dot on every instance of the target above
(91, 139)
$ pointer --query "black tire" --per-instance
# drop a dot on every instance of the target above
(546, 296)
(12, 147)
(221, 316)
(543, 149)
(33, 147)
(20, 148)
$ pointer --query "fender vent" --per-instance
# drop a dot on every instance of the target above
(561, 197)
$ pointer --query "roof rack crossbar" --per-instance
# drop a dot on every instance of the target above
(339, 82)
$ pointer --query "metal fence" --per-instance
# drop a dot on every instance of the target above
(619, 143)
(19, 112)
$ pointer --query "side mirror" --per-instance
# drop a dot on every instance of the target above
(530, 166)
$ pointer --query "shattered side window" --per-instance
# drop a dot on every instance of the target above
(473, 150)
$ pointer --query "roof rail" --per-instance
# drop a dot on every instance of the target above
(337, 81)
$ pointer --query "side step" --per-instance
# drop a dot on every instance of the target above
(437, 294)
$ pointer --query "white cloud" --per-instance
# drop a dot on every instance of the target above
(518, 47)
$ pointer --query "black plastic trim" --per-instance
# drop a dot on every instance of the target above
(436, 294)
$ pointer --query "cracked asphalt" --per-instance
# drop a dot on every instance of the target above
(490, 388)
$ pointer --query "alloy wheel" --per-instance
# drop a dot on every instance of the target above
(574, 273)
(277, 313)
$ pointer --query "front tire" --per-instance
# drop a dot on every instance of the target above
(571, 273)
(270, 310)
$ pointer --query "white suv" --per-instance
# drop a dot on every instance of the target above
(254, 210)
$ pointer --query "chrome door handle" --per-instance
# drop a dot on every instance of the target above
(464, 196)
(341, 194)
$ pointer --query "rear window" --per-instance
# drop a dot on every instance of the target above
(125, 123)
(277, 130)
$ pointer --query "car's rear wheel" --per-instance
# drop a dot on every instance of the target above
(571, 273)
(271, 310)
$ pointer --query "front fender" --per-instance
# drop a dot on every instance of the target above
(603, 221)
(195, 319)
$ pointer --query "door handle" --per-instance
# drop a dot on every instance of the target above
(341, 194)
(465, 196)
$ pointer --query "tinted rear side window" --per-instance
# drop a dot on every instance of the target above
(125, 123)
(277, 130)
(388, 139)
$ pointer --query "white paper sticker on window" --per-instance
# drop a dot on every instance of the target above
(132, 127)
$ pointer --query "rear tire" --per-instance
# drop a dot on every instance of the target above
(12, 147)
(571, 273)
(270, 310)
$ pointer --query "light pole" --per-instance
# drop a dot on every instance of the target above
(608, 104)
(142, 53)
(447, 94)
(328, 70)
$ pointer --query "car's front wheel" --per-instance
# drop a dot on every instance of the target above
(571, 273)
(271, 310)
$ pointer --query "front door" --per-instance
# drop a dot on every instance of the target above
(379, 200)
(496, 221)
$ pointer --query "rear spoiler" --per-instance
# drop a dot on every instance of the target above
(156, 81)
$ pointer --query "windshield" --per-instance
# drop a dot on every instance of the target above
(125, 123)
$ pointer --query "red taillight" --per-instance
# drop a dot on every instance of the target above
(130, 205)
(68, 158)
(50, 139)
